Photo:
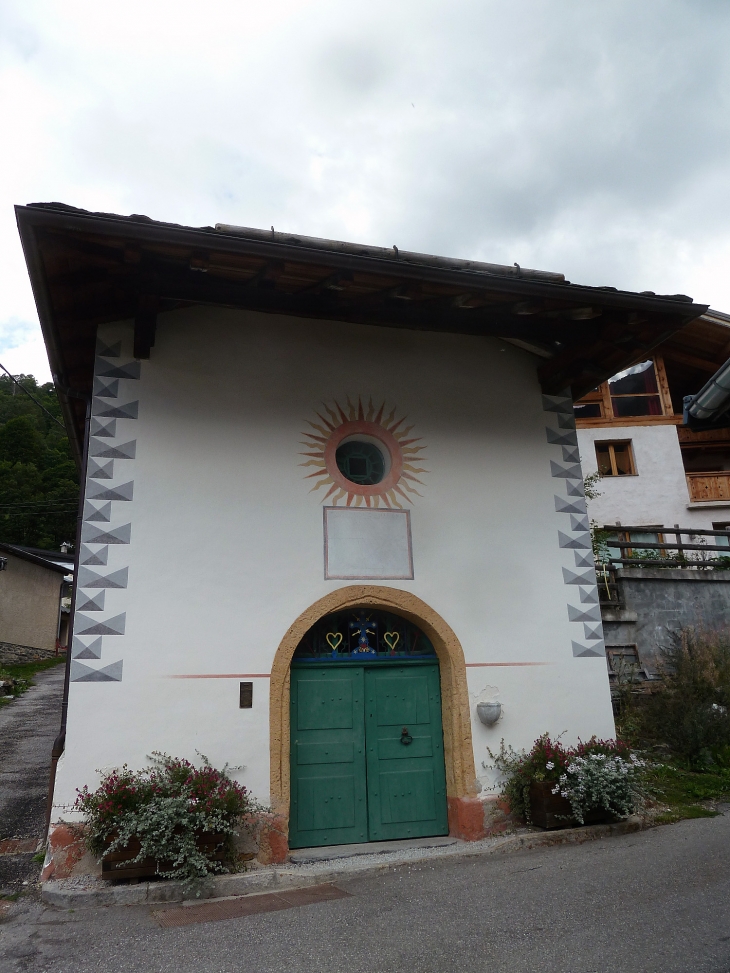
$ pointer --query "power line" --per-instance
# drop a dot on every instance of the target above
(31, 396)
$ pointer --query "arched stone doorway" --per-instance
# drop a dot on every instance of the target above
(465, 811)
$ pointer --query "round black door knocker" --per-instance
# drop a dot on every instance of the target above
(405, 737)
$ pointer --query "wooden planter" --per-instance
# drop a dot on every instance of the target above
(549, 810)
(116, 865)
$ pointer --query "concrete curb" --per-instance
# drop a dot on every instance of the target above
(299, 876)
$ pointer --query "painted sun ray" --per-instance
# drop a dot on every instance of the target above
(391, 431)
(327, 423)
(333, 415)
(320, 484)
(394, 499)
(319, 428)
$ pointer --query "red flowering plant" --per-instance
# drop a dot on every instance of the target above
(549, 760)
(167, 807)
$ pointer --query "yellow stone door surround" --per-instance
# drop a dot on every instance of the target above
(465, 810)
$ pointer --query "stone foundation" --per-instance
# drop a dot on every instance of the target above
(13, 655)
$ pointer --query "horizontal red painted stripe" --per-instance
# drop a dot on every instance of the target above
(223, 675)
(473, 665)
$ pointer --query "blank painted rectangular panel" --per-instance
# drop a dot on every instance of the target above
(362, 543)
(324, 706)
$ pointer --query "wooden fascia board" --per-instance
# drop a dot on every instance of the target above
(219, 242)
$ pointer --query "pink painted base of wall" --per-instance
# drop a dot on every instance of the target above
(66, 850)
(67, 854)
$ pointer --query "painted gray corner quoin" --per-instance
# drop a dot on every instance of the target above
(113, 406)
(560, 433)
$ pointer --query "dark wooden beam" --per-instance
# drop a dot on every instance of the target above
(145, 324)
(692, 360)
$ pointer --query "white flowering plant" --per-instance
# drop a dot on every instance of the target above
(594, 775)
(601, 782)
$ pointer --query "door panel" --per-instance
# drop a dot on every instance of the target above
(406, 780)
(328, 781)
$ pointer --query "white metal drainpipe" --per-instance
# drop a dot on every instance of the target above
(713, 399)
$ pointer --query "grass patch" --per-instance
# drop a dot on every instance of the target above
(686, 794)
(22, 674)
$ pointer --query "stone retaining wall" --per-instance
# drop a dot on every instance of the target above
(12, 654)
(656, 603)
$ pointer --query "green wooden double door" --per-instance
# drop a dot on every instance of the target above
(367, 754)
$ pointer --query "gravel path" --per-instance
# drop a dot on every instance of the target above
(28, 727)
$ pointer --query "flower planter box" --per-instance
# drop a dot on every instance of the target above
(549, 810)
(120, 864)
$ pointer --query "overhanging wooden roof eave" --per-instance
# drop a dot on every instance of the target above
(141, 231)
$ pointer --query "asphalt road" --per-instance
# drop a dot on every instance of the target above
(28, 727)
(653, 902)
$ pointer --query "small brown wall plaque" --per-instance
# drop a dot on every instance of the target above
(246, 697)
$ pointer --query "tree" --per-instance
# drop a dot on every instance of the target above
(39, 486)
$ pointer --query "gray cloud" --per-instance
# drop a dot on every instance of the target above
(583, 137)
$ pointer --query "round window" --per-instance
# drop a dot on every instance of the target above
(360, 462)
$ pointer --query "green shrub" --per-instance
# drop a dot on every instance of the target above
(690, 712)
(167, 807)
(597, 774)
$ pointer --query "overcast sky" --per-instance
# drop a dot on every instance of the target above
(589, 137)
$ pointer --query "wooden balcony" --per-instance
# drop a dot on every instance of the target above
(708, 486)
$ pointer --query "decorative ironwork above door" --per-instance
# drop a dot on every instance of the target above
(361, 636)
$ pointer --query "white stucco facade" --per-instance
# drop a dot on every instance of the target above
(657, 494)
(225, 544)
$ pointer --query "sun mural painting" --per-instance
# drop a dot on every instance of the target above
(363, 457)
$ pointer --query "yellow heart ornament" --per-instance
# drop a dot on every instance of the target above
(391, 639)
(334, 640)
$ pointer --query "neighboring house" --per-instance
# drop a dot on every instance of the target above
(658, 474)
(34, 602)
(655, 470)
(333, 501)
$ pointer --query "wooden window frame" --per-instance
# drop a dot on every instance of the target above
(614, 474)
(602, 395)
